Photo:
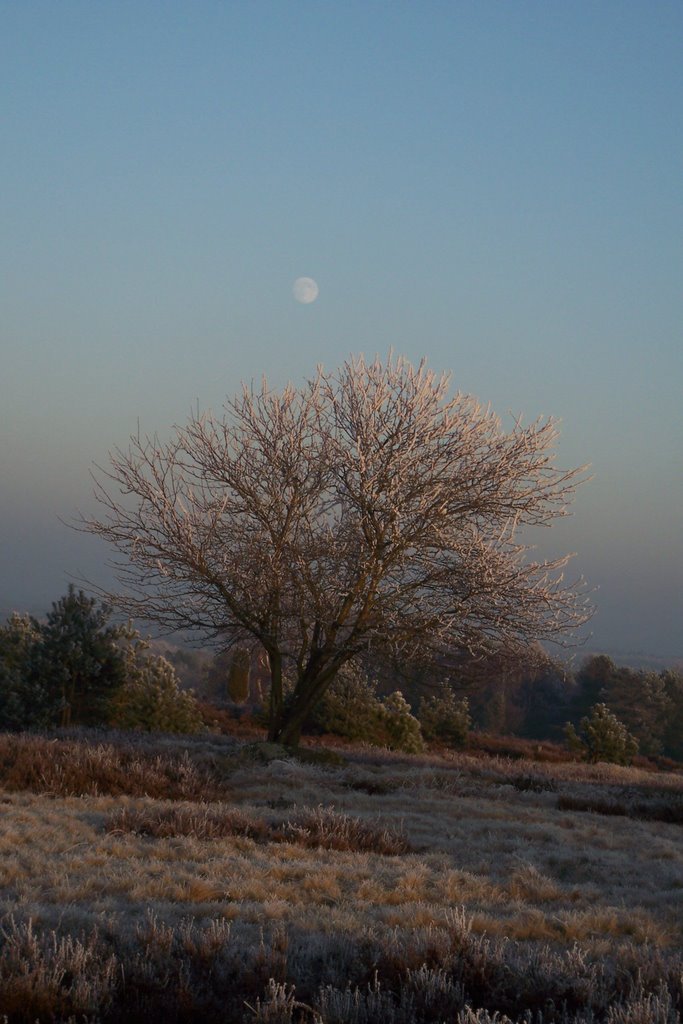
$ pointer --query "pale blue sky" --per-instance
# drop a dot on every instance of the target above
(495, 185)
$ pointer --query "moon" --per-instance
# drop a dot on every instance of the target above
(305, 290)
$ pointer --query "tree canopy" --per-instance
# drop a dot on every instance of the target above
(364, 509)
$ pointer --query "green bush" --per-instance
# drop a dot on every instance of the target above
(352, 709)
(79, 659)
(26, 702)
(602, 738)
(75, 668)
(445, 718)
(401, 728)
(17, 638)
(151, 699)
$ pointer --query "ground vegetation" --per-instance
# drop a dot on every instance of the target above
(147, 877)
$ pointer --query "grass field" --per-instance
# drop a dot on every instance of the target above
(191, 880)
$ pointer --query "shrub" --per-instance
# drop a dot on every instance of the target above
(666, 808)
(352, 709)
(80, 767)
(401, 727)
(445, 718)
(25, 701)
(196, 820)
(333, 830)
(17, 637)
(76, 669)
(80, 659)
(62, 671)
(312, 827)
(603, 738)
(215, 971)
(151, 698)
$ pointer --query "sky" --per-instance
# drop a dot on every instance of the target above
(496, 186)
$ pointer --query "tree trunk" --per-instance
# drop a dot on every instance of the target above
(290, 731)
(276, 701)
(307, 694)
(67, 706)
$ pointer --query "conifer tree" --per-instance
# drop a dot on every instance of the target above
(80, 659)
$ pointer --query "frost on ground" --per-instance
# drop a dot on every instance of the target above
(150, 879)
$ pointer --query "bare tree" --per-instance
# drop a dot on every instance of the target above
(365, 509)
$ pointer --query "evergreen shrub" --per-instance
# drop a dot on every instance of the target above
(445, 717)
(151, 699)
(25, 701)
(351, 708)
(602, 738)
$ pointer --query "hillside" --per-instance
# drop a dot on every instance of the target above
(198, 880)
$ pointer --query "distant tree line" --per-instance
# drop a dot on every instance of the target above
(648, 703)
(78, 668)
(532, 697)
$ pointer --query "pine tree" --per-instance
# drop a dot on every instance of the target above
(25, 701)
(603, 737)
(80, 659)
(151, 699)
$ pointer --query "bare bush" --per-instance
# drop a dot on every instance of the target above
(214, 972)
(44, 975)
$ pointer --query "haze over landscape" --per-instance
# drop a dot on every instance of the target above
(495, 187)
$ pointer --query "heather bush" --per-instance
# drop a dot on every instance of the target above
(445, 718)
(624, 803)
(49, 977)
(64, 767)
(216, 971)
(333, 830)
(195, 903)
(317, 827)
(603, 738)
(199, 821)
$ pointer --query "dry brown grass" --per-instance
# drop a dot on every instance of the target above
(69, 767)
(159, 879)
(314, 828)
(666, 808)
